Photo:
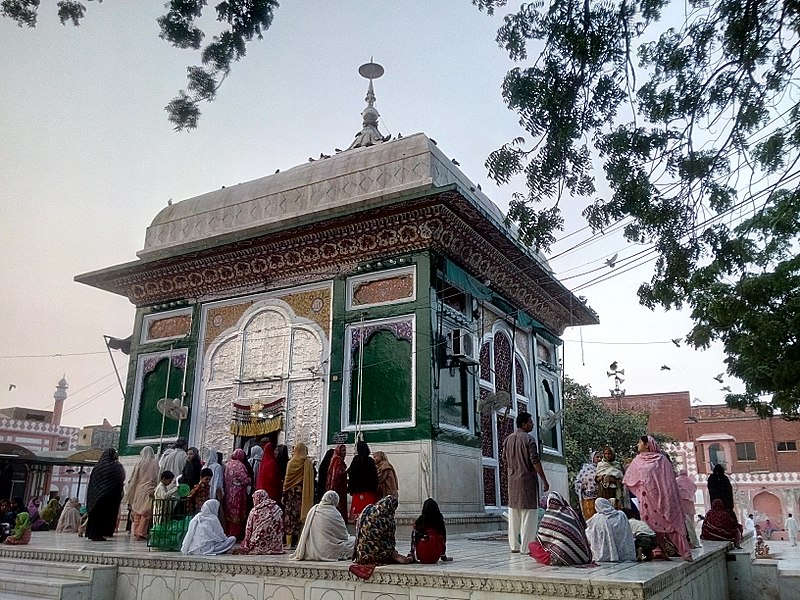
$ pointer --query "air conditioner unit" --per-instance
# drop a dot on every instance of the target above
(461, 345)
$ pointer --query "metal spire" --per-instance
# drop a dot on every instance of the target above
(369, 134)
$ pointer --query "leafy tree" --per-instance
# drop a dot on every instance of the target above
(696, 129)
(588, 425)
(243, 20)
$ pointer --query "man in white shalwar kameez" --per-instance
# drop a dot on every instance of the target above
(791, 529)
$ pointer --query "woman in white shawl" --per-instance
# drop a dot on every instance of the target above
(70, 518)
(205, 536)
(610, 537)
(324, 535)
(256, 454)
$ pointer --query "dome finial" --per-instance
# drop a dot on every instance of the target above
(369, 134)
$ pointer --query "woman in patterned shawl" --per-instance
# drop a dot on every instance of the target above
(104, 495)
(720, 525)
(337, 478)
(235, 506)
(561, 540)
(652, 478)
(264, 533)
(375, 534)
(586, 484)
(139, 492)
(609, 478)
(298, 492)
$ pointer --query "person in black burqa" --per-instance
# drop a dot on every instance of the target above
(104, 495)
(362, 480)
(719, 487)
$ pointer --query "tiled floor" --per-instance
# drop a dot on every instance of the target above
(474, 555)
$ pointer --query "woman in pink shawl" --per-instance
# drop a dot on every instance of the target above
(687, 490)
(652, 479)
(236, 481)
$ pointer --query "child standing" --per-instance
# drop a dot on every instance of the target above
(201, 492)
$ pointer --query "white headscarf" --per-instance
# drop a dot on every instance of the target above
(218, 477)
(609, 534)
(256, 452)
(205, 535)
(324, 535)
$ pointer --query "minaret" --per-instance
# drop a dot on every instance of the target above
(59, 396)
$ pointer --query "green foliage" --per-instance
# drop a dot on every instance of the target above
(588, 425)
(696, 130)
(244, 20)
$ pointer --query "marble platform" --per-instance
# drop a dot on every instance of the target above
(483, 569)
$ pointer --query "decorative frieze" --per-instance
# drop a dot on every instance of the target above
(445, 223)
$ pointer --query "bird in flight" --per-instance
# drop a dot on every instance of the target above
(719, 377)
(677, 342)
(611, 262)
(725, 388)
(665, 368)
(11, 386)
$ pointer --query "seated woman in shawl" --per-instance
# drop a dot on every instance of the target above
(586, 484)
(609, 534)
(139, 492)
(560, 540)
(264, 531)
(21, 534)
(429, 536)
(387, 477)
(70, 518)
(325, 535)
(103, 496)
(49, 513)
(609, 476)
(720, 525)
(375, 534)
(237, 480)
(651, 478)
(337, 477)
(37, 523)
(205, 536)
(298, 492)
(362, 480)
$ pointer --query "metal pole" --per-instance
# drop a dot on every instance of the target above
(166, 395)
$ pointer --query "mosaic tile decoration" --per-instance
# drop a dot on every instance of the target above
(169, 327)
(502, 362)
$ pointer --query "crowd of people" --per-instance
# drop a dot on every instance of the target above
(272, 503)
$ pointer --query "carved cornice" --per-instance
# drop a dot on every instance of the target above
(446, 223)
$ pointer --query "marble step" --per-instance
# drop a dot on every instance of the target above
(51, 587)
(38, 568)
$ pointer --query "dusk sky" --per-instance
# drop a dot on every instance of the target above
(88, 158)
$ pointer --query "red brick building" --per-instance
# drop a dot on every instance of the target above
(760, 455)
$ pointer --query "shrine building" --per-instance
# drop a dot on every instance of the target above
(376, 293)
